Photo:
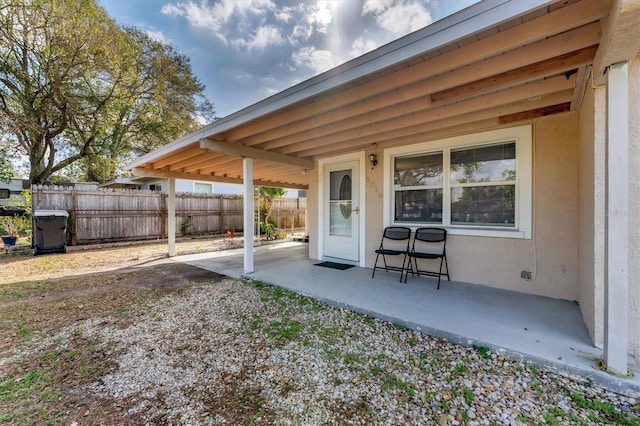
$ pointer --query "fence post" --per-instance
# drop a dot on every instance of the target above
(74, 217)
(223, 228)
(163, 216)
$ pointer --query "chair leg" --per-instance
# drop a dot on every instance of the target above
(375, 265)
(447, 266)
(404, 260)
(409, 265)
(440, 272)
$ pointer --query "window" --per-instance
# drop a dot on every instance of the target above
(483, 182)
(155, 187)
(4, 194)
(475, 185)
(418, 187)
(203, 188)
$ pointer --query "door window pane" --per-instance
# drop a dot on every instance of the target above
(340, 203)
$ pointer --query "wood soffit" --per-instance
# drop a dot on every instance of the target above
(515, 72)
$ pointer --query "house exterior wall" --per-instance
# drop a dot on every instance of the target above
(634, 209)
(591, 257)
(551, 255)
(593, 210)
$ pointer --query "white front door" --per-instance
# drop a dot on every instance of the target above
(341, 211)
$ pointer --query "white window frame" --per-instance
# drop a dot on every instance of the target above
(209, 184)
(521, 135)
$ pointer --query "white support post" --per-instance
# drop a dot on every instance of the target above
(249, 214)
(617, 219)
(171, 219)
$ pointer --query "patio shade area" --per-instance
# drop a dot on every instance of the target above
(546, 331)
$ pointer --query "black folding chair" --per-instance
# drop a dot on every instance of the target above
(395, 242)
(429, 243)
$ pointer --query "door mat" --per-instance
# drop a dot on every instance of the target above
(334, 265)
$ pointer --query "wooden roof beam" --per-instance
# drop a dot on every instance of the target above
(582, 82)
(421, 126)
(404, 115)
(258, 154)
(566, 63)
(195, 161)
(535, 113)
(462, 82)
(179, 155)
(140, 171)
(219, 162)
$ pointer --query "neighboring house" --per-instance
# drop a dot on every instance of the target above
(514, 124)
(186, 185)
(182, 185)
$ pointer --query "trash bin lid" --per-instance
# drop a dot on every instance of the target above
(62, 213)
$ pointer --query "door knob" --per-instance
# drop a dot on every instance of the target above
(357, 210)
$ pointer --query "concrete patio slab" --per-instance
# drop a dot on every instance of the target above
(546, 331)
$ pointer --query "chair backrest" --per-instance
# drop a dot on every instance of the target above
(431, 235)
(396, 238)
(397, 233)
(430, 240)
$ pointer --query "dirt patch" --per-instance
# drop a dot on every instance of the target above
(39, 296)
(21, 266)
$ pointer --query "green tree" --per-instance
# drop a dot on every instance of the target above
(58, 68)
(266, 195)
(6, 168)
(158, 104)
(77, 90)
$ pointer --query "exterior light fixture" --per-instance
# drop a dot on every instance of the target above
(373, 159)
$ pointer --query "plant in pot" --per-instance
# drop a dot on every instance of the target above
(11, 226)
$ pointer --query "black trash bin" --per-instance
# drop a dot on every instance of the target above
(50, 231)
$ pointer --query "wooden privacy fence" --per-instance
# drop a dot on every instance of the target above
(107, 215)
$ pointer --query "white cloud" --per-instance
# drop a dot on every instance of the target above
(361, 46)
(321, 15)
(317, 60)
(376, 6)
(172, 10)
(287, 13)
(300, 32)
(157, 35)
(244, 76)
(214, 18)
(398, 16)
(263, 37)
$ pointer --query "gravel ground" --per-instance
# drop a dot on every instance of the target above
(235, 352)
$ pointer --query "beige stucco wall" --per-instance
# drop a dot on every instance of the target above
(592, 192)
(312, 212)
(551, 255)
(634, 209)
(566, 254)
(591, 255)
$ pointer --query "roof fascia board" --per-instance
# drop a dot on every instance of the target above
(473, 19)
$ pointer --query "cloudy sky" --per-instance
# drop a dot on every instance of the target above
(247, 50)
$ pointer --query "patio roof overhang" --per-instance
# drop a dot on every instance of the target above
(496, 63)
